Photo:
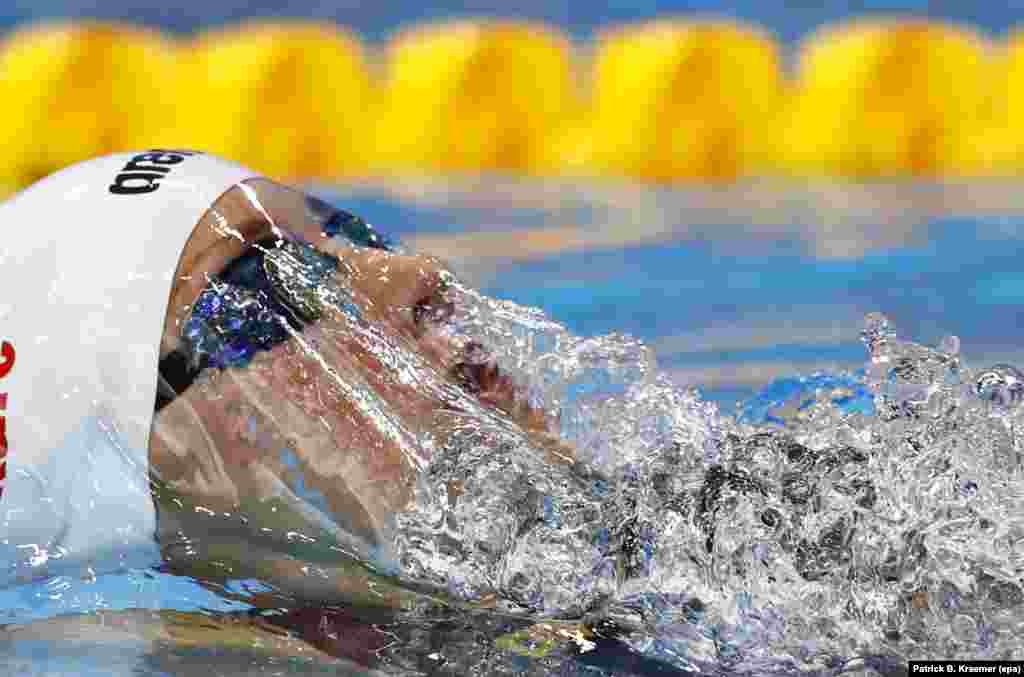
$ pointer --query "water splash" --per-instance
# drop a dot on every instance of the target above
(841, 522)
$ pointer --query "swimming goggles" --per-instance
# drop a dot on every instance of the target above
(276, 287)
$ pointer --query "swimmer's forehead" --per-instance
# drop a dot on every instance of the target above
(255, 210)
(248, 212)
(258, 207)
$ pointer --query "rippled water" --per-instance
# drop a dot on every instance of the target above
(845, 520)
(840, 521)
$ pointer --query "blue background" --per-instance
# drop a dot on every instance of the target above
(375, 20)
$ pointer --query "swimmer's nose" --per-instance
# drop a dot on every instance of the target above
(411, 295)
(408, 292)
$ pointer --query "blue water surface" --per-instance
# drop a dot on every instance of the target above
(789, 20)
(753, 320)
(728, 316)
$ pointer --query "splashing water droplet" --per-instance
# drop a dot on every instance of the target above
(1001, 384)
(877, 335)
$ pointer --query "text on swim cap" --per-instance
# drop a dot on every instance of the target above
(144, 172)
(7, 363)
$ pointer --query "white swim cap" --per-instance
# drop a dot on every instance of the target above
(87, 259)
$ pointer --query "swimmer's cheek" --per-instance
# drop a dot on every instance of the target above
(184, 457)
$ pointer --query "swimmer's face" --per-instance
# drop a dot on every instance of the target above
(349, 407)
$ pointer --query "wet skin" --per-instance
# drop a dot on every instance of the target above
(352, 405)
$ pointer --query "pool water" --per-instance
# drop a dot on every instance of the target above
(735, 286)
(755, 295)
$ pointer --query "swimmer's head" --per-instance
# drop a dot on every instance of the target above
(248, 350)
(306, 359)
(289, 330)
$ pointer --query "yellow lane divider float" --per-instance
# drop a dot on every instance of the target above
(680, 100)
(474, 96)
(883, 99)
(996, 146)
(668, 100)
(74, 91)
(289, 99)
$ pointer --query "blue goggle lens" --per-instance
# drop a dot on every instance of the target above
(274, 288)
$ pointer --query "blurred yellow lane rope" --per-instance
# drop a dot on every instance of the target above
(996, 146)
(669, 100)
(472, 96)
(681, 100)
(71, 92)
(881, 99)
(289, 98)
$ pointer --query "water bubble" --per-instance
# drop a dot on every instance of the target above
(964, 628)
(877, 335)
(800, 533)
(797, 488)
(1001, 384)
(770, 518)
(968, 488)
(950, 345)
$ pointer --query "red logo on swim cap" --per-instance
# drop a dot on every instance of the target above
(7, 354)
